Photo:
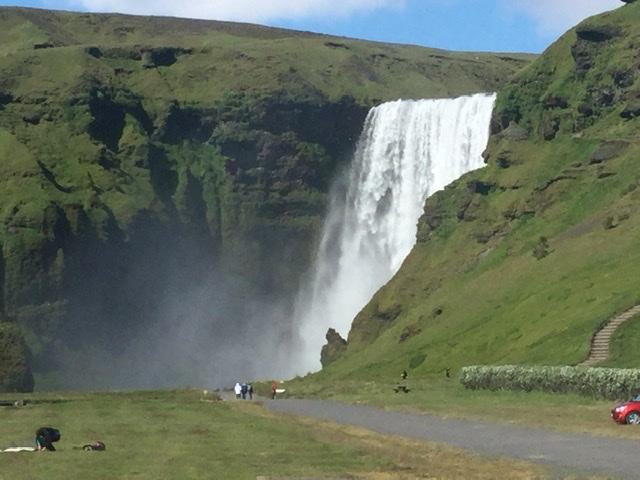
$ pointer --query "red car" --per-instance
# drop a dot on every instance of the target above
(627, 412)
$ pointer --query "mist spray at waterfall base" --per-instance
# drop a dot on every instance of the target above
(408, 150)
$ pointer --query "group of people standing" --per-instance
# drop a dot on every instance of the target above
(243, 390)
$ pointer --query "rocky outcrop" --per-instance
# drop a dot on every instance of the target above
(162, 56)
(597, 33)
(151, 57)
(5, 98)
(480, 187)
(538, 109)
(607, 151)
(590, 38)
(582, 55)
(372, 321)
(556, 101)
(631, 110)
(334, 348)
(514, 132)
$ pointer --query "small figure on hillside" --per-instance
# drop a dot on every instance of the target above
(402, 387)
(447, 372)
(45, 436)
(244, 389)
(238, 390)
(274, 388)
(250, 391)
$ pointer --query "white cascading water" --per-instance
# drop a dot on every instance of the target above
(407, 151)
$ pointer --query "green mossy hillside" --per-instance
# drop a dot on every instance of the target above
(197, 61)
(522, 261)
(142, 158)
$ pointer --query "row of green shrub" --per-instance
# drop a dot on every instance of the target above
(609, 383)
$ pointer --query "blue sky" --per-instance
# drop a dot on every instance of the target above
(488, 25)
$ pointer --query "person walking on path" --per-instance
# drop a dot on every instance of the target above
(238, 390)
(250, 391)
(274, 389)
(244, 389)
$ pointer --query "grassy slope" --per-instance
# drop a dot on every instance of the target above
(178, 435)
(500, 304)
(623, 350)
(228, 56)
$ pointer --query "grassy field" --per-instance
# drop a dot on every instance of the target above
(448, 398)
(182, 434)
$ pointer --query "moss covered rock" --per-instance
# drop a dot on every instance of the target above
(334, 348)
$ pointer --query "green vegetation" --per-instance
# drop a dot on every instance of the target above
(220, 145)
(623, 350)
(608, 383)
(526, 271)
(184, 434)
(198, 62)
(214, 142)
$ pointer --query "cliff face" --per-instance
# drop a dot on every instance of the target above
(98, 247)
(522, 261)
(166, 178)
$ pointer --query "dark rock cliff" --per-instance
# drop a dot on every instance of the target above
(237, 192)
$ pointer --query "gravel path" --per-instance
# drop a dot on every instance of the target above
(566, 451)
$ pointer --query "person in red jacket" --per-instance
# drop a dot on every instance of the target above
(274, 388)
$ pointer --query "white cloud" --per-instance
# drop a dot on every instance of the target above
(242, 10)
(556, 16)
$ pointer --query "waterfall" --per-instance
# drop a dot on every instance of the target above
(407, 151)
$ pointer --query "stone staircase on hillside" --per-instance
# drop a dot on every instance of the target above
(601, 340)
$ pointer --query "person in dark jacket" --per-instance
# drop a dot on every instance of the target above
(45, 436)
